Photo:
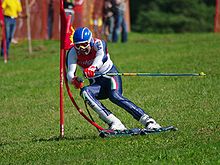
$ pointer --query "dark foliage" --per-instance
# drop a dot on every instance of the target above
(168, 16)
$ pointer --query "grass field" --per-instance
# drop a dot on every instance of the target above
(29, 105)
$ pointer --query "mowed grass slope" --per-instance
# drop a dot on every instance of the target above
(29, 105)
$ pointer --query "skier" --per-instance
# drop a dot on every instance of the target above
(92, 57)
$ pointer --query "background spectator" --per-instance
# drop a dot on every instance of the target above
(50, 19)
(120, 24)
(12, 9)
(108, 19)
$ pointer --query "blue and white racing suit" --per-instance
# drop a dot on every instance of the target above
(101, 87)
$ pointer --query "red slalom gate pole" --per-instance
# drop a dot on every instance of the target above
(62, 54)
(65, 26)
(61, 95)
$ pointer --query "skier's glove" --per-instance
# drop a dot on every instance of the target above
(90, 71)
(77, 82)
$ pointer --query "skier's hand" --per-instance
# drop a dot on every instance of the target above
(77, 82)
(90, 71)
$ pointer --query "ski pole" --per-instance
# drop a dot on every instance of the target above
(152, 74)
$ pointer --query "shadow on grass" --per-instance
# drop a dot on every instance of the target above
(58, 138)
(50, 139)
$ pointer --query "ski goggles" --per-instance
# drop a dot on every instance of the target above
(81, 45)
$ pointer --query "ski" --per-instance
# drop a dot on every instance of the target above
(134, 131)
(162, 129)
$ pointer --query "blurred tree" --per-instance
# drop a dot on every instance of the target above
(162, 16)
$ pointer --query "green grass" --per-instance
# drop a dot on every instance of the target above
(29, 105)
